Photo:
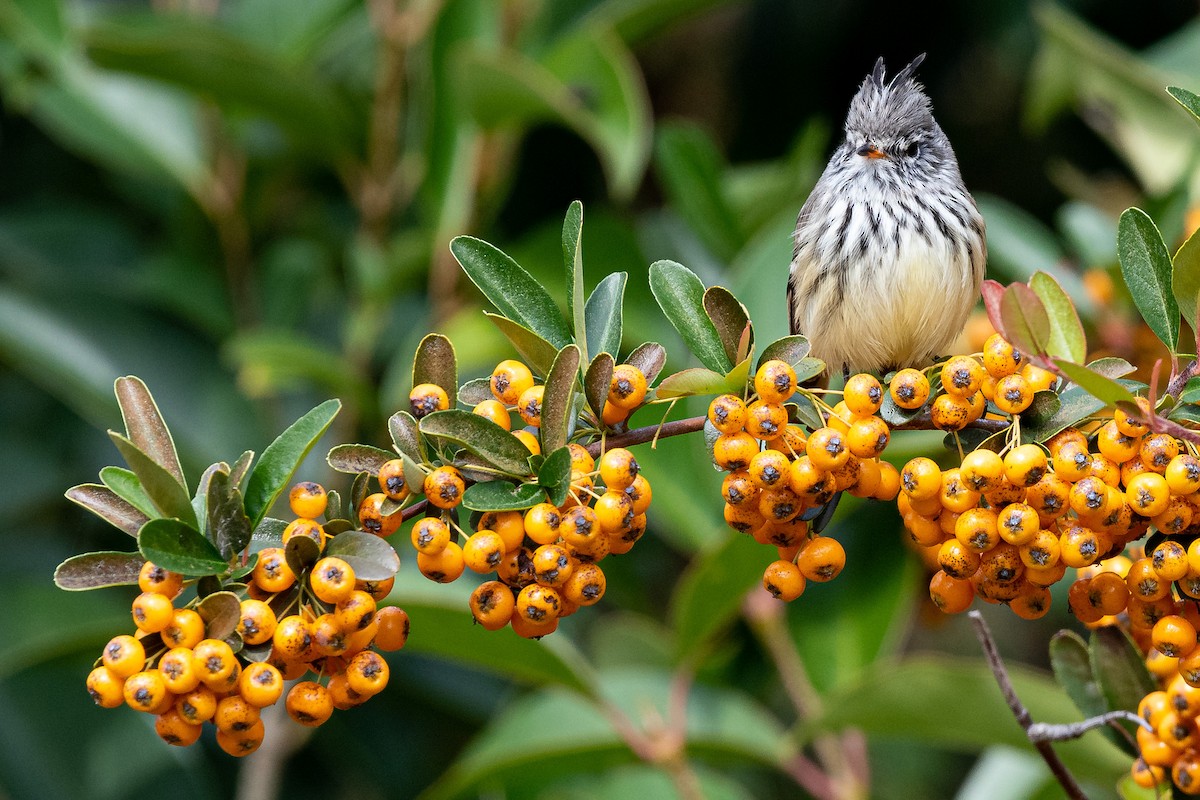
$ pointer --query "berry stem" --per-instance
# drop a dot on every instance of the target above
(992, 654)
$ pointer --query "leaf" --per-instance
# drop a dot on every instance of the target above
(475, 391)
(108, 505)
(680, 295)
(572, 250)
(1146, 267)
(702, 381)
(221, 612)
(1120, 671)
(1188, 100)
(355, 458)
(536, 351)
(511, 289)
(649, 357)
(603, 314)
(281, 458)
(711, 591)
(228, 526)
(435, 363)
(690, 168)
(1100, 387)
(180, 548)
(1074, 404)
(558, 399)
(1112, 367)
(1072, 667)
(502, 496)
(126, 485)
(1026, 323)
(597, 381)
(371, 557)
(98, 570)
(993, 293)
(792, 349)
(729, 317)
(1185, 278)
(554, 475)
(167, 494)
(403, 429)
(480, 436)
(241, 468)
(144, 425)
(1066, 331)
(301, 553)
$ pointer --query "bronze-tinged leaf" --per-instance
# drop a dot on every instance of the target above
(228, 526)
(729, 317)
(106, 504)
(355, 458)
(145, 427)
(650, 358)
(403, 428)
(98, 570)
(436, 363)
(1026, 323)
(597, 381)
(221, 612)
(558, 399)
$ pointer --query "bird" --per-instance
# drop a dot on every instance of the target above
(890, 247)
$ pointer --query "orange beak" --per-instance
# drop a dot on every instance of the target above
(871, 151)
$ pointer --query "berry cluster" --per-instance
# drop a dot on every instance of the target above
(208, 661)
(779, 475)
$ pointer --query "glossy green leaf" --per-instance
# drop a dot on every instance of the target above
(98, 570)
(690, 168)
(281, 458)
(371, 557)
(355, 458)
(596, 382)
(403, 429)
(1189, 100)
(480, 436)
(227, 525)
(536, 351)
(200, 497)
(680, 295)
(572, 250)
(1066, 331)
(435, 363)
(729, 317)
(502, 496)
(1146, 267)
(558, 399)
(108, 505)
(180, 548)
(167, 494)
(1185, 278)
(807, 368)
(554, 475)
(511, 289)
(1120, 671)
(1026, 323)
(126, 485)
(603, 313)
(711, 592)
(792, 349)
(1100, 387)
(1074, 404)
(696, 380)
(221, 612)
(650, 358)
(1071, 662)
(144, 425)
(241, 468)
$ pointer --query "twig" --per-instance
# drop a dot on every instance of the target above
(1046, 732)
(648, 433)
(1057, 767)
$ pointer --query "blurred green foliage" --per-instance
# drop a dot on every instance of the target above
(248, 204)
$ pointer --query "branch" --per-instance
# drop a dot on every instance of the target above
(1057, 767)
(1046, 732)
(648, 433)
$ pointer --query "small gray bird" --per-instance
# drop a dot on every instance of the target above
(890, 247)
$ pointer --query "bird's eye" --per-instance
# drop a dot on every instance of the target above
(913, 150)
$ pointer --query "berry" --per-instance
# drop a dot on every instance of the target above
(393, 628)
(392, 481)
(775, 381)
(332, 580)
(529, 405)
(495, 411)
(307, 499)
(426, 398)
(727, 413)
(309, 704)
(509, 380)
(783, 580)
(863, 394)
(627, 388)
(909, 389)
(444, 487)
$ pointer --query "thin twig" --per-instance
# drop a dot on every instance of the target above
(1057, 767)
(1046, 732)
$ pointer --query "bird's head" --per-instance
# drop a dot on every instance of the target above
(892, 120)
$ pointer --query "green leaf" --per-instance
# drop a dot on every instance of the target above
(1100, 387)
(167, 494)
(371, 557)
(1146, 267)
(502, 496)
(572, 249)
(1072, 667)
(241, 468)
(702, 381)
(435, 363)
(807, 368)
(221, 612)
(1185, 278)
(475, 391)
(98, 570)
(180, 548)
(1026, 323)
(1066, 331)
(1120, 671)
(554, 475)
(126, 485)
(301, 553)
(711, 592)
(536, 351)
(511, 289)
(596, 382)
(355, 458)
(603, 314)
(689, 166)
(558, 399)
(108, 505)
(792, 349)
(729, 317)
(1112, 367)
(1074, 404)
(680, 295)
(281, 458)
(144, 425)
(649, 357)
(227, 525)
(480, 436)
(403, 429)
(1189, 100)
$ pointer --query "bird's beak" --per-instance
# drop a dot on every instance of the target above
(871, 151)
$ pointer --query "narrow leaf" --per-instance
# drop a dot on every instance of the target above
(597, 381)
(98, 570)
(502, 496)
(650, 358)
(537, 352)
(167, 494)
(227, 524)
(435, 363)
(808, 368)
(481, 436)
(180, 548)
(1120, 671)
(200, 498)
(711, 590)
(371, 557)
(283, 456)
(355, 458)
(1146, 267)
(1189, 100)
(728, 316)
(572, 249)
(241, 468)
(145, 427)
(1026, 323)
(558, 399)
(680, 295)
(1100, 387)
(108, 505)
(1066, 331)
(403, 428)
(221, 612)
(511, 289)
(604, 315)
(1185, 277)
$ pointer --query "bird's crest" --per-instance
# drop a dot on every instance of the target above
(890, 107)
